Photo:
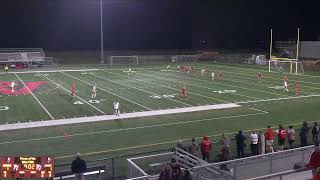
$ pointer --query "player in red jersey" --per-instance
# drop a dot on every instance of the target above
(260, 76)
(184, 91)
(72, 89)
(296, 88)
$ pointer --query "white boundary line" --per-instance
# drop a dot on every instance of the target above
(108, 91)
(176, 89)
(135, 128)
(140, 89)
(277, 99)
(113, 117)
(34, 97)
(75, 95)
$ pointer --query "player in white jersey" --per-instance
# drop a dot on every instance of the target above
(212, 75)
(130, 72)
(202, 72)
(285, 84)
(116, 108)
(168, 67)
(94, 91)
(12, 85)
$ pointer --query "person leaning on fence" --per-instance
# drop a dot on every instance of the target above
(304, 134)
(254, 143)
(206, 147)
(314, 161)
(193, 148)
(269, 139)
(262, 143)
(315, 133)
(166, 173)
(78, 167)
(240, 138)
(225, 147)
(316, 176)
(291, 136)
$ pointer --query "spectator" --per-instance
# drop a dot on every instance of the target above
(315, 133)
(262, 143)
(314, 161)
(193, 148)
(281, 137)
(304, 134)
(225, 147)
(78, 167)
(254, 143)
(240, 138)
(269, 139)
(180, 145)
(316, 176)
(186, 175)
(175, 167)
(206, 147)
(166, 173)
(291, 136)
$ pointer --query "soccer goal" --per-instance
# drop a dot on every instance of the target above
(282, 66)
(124, 60)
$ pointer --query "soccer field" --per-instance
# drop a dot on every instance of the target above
(45, 96)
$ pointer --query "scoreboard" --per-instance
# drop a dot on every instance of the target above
(26, 167)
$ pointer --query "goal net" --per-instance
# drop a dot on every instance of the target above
(124, 60)
(282, 66)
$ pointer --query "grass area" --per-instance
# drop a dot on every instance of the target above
(150, 88)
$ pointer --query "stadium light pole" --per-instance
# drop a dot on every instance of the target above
(101, 30)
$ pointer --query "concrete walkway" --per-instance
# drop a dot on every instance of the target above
(57, 122)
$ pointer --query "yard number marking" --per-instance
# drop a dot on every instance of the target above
(225, 91)
(4, 108)
(163, 96)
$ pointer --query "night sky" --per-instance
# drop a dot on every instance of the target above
(154, 24)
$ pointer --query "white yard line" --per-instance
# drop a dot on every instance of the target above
(211, 82)
(205, 87)
(113, 117)
(75, 95)
(35, 97)
(140, 90)
(108, 91)
(179, 90)
(134, 128)
(278, 99)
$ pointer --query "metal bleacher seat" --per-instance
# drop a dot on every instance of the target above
(93, 170)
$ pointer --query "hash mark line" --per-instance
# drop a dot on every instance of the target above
(259, 110)
(134, 128)
(35, 97)
(75, 95)
(108, 91)
(211, 82)
(140, 89)
(168, 87)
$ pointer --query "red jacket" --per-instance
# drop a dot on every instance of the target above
(282, 134)
(269, 134)
(316, 177)
(206, 145)
(314, 161)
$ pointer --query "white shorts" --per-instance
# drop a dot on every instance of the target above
(269, 142)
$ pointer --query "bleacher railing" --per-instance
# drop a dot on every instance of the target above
(255, 166)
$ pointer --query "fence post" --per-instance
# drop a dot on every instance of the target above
(112, 162)
(271, 164)
(235, 172)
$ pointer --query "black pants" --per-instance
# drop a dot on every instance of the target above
(303, 141)
(240, 151)
(254, 149)
(315, 139)
(205, 156)
(291, 143)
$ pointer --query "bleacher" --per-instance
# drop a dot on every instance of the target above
(278, 165)
(27, 56)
